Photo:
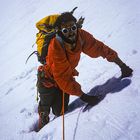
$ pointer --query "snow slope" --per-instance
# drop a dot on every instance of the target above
(116, 117)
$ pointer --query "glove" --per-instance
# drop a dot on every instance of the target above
(91, 100)
(126, 71)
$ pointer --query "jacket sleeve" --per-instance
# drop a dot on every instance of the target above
(61, 69)
(95, 48)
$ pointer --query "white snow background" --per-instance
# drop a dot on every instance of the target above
(116, 117)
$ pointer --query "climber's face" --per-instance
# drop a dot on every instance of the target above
(69, 30)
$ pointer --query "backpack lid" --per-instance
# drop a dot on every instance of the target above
(46, 24)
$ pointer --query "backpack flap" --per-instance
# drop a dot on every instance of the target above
(46, 24)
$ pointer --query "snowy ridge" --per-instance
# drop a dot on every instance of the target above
(116, 117)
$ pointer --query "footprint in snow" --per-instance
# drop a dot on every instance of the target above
(134, 52)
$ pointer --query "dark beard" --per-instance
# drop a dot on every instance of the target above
(67, 40)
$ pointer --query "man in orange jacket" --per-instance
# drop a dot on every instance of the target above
(63, 56)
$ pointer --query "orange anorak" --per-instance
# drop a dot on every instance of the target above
(61, 63)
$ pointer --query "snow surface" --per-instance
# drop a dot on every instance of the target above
(116, 117)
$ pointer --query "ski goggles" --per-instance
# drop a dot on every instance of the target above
(67, 30)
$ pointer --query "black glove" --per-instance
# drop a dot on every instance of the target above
(91, 100)
(126, 71)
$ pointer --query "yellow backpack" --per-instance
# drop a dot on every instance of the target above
(44, 36)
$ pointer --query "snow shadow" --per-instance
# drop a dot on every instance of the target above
(113, 85)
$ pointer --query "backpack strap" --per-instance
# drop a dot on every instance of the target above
(82, 42)
(59, 39)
